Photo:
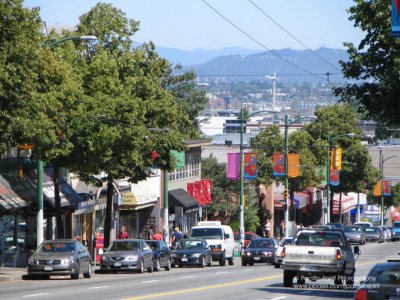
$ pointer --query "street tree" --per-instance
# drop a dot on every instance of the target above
(373, 66)
(126, 113)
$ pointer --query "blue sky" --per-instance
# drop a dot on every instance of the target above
(191, 24)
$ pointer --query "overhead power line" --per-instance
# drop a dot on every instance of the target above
(259, 43)
(291, 35)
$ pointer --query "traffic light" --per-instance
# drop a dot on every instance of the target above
(285, 194)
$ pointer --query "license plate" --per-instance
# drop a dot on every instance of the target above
(117, 264)
(308, 268)
(256, 258)
(184, 259)
(48, 268)
(216, 250)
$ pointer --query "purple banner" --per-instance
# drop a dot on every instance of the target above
(396, 18)
(233, 166)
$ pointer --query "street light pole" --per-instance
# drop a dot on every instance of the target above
(39, 184)
(286, 206)
(241, 206)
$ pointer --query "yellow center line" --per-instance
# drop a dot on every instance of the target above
(208, 287)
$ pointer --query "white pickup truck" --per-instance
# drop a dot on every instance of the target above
(319, 254)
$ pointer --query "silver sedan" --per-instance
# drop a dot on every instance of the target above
(60, 257)
(127, 255)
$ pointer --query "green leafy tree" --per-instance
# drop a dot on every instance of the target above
(126, 112)
(373, 65)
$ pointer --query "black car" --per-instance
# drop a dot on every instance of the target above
(192, 252)
(161, 255)
(259, 251)
(382, 282)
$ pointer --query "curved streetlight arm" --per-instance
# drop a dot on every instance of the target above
(80, 38)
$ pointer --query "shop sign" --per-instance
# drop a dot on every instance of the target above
(129, 198)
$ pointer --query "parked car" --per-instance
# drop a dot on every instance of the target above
(161, 255)
(248, 237)
(382, 282)
(387, 232)
(127, 255)
(355, 234)
(259, 251)
(374, 234)
(60, 257)
(192, 252)
(278, 254)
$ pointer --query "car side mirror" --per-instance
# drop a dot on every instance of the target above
(226, 235)
(357, 250)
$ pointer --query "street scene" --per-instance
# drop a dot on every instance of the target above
(198, 158)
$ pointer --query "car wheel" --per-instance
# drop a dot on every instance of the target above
(251, 264)
(180, 266)
(158, 265)
(288, 278)
(202, 262)
(89, 272)
(231, 261)
(168, 266)
(277, 266)
(209, 262)
(141, 267)
(150, 268)
(244, 264)
(76, 274)
(222, 260)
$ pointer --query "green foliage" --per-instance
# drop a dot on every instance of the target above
(373, 65)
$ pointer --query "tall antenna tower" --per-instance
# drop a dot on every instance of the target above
(273, 78)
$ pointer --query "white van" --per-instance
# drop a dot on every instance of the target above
(219, 238)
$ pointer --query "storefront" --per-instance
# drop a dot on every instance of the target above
(183, 210)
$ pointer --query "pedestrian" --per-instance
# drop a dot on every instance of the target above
(152, 231)
(176, 236)
(282, 227)
(267, 228)
(123, 235)
(157, 236)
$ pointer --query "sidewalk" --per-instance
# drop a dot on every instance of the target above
(7, 274)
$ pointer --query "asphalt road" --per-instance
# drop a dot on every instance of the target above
(229, 282)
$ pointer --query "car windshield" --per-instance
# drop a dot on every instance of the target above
(153, 245)
(352, 229)
(125, 246)
(207, 233)
(48, 247)
(190, 245)
(319, 239)
(285, 242)
(385, 275)
(261, 244)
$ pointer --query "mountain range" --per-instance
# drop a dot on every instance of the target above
(232, 64)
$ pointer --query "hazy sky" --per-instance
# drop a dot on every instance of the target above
(190, 24)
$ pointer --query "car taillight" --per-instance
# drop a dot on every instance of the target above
(338, 254)
(283, 253)
(361, 295)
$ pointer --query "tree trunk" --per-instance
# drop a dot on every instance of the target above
(109, 211)
(59, 221)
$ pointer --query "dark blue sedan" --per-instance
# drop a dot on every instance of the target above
(192, 252)
(259, 251)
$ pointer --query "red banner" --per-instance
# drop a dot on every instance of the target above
(278, 168)
(200, 190)
(206, 184)
(386, 188)
(250, 166)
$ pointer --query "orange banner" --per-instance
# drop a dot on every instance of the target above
(293, 164)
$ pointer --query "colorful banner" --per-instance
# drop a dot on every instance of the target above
(387, 188)
(335, 179)
(179, 158)
(206, 184)
(293, 164)
(200, 190)
(278, 168)
(396, 18)
(250, 166)
(193, 190)
(377, 191)
(233, 166)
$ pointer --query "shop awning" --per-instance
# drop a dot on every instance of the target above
(346, 204)
(300, 200)
(9, 199)
(180, 197)
(140, 195)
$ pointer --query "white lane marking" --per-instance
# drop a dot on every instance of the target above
(305, 292)
(277, 298)
(248, 270)
(35, 295)
(149, 281)
(188, 277)
(98, 287)
(220, 273)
